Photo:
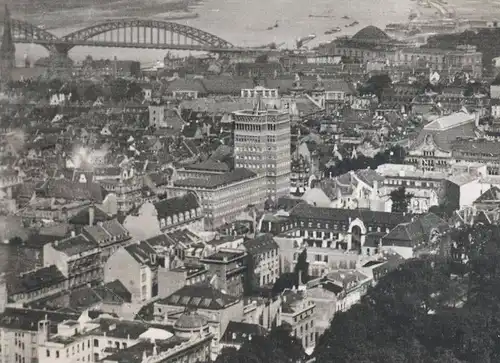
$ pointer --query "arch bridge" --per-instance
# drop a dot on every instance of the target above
(124, 33)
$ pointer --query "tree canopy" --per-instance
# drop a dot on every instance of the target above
(422, 312)
(393, 155)
(278, 347)
(400, 200)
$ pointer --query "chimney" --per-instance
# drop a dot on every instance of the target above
(91, 215)
(73, 234)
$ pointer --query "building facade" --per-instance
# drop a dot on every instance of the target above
(225, 195)
(262, 144)
(228, 266)
(77, 257)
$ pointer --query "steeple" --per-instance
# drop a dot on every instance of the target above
(7, 45)
(7, 49)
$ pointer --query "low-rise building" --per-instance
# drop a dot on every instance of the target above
(36, 284)
(265, 253)
(299, 311)
(432, 150)
(109, 235)
(77, 257)
(228, 266)
(218, 307)
(224, 196)
(136, 267)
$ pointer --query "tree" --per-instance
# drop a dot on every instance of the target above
(119, 89)
(134, 91)
(400, 200)
(302, 267)
(250, 282)
(92, 92)
(286, 280)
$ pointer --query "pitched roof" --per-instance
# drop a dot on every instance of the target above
(74, 245)
(141, 252)
(202, 296)
(27, 319)
(450, 121)
(412, 233)
(337, 215)
(35, 280)
(208, 165)
(104, 232)
(87, 297)
(371, 33)
(82, 218)
(444, 139)
(260, 244)
(492, 195)
(239, 332)
(216, 180)
(173, 206)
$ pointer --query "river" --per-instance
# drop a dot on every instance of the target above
(241, 22)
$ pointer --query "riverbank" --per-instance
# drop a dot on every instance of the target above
(241, 22)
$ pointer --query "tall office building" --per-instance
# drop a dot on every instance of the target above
(262, 144)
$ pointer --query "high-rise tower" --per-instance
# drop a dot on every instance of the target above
(262, 144)
(7, 49)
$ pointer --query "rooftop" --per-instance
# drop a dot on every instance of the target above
(199, 296)
(217, 180)
(224, 256)
(75, 245)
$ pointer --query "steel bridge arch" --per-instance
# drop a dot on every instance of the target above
(198, 35)
(26, 32)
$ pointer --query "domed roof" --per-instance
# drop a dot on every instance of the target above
(371, 33)
(190, 321)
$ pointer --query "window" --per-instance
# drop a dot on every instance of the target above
(96, 343)
(48, 353)
(57, 354)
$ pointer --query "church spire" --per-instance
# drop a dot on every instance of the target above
(7, 45)
(7, 49)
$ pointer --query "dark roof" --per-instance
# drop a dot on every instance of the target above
(260, 244)
(208, 165)
(173, 206)
(191, 320)
(337, 215)
(216, 180)
(111, 293)
(35, 280)
(415, 232)
(492, 195)
(134, 354)
(201, 296)
(371, 33)
(106, 232)
(238, 332)
(27, 319)
(82, 217)
(477, 146)
(75, 245)
(141, 252)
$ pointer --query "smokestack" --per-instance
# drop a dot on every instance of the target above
(91, 215)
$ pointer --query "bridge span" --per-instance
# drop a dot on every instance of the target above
(127, 33)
